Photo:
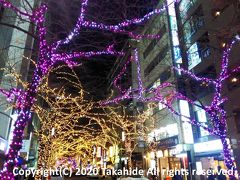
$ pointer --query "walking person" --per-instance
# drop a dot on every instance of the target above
(212, 176)
(220, 175)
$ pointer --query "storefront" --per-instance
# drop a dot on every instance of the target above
(169, 156)
(209, 155)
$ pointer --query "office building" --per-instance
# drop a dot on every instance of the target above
(16, 41)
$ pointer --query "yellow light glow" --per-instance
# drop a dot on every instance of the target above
(234, 80)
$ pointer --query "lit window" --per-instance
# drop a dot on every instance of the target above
(172, 129)
(201, 117)
(156, 84)
(161, 105)
(164, 132)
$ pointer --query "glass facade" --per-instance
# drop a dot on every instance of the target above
(193, 56)
(169, 130)
(191, 27)
(184, 6)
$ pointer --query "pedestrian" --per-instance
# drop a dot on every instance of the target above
(220, 175)
(30, 177)
(177, 176)
(211, 176)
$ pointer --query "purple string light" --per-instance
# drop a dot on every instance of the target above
(48, 56)
(68, 56)
(11, 6)
(113, 28)
(216, 111)
(118, 77)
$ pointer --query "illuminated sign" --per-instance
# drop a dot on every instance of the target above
(193, 56)
(174, 32)
(187, 127)
(168, 142)
(215, 145)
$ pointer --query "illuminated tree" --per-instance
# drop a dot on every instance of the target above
(60, 110)
(72, 125)
(49, 55)
(215, 109)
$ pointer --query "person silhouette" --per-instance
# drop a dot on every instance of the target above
(212, 176)
(220, 175)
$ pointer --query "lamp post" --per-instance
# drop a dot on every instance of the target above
(155, 156)
(122, 165)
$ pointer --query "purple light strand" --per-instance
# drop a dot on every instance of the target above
(78, 24)
(114, 28)
(118, 77)
(46, 60)
(68, 56)
(11, 6)
(140, 83)
(215, 110)
(111, 28)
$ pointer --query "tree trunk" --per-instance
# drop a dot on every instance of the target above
(26, 101)
(228, 156)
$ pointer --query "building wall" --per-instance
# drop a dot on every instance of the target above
(157, 56)
(205, 28)
(14, 44)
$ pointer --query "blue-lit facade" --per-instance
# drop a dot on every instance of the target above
(174, 136)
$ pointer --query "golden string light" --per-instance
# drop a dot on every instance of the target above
(71, 125)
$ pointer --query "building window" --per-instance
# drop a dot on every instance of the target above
(164, 76)
(193, 24)
(205, 52)
(156, 84)
(1, 12)
(161, 55)
(184, 6)
(198, 51)
(161, 105)
(154, 42)
(5, 121)
(201, 116)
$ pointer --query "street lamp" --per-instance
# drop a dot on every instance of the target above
(155, 157)
(123, 136)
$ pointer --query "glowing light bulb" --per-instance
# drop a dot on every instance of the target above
(234, 80)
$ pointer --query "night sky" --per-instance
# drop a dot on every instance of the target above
(62, 17)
